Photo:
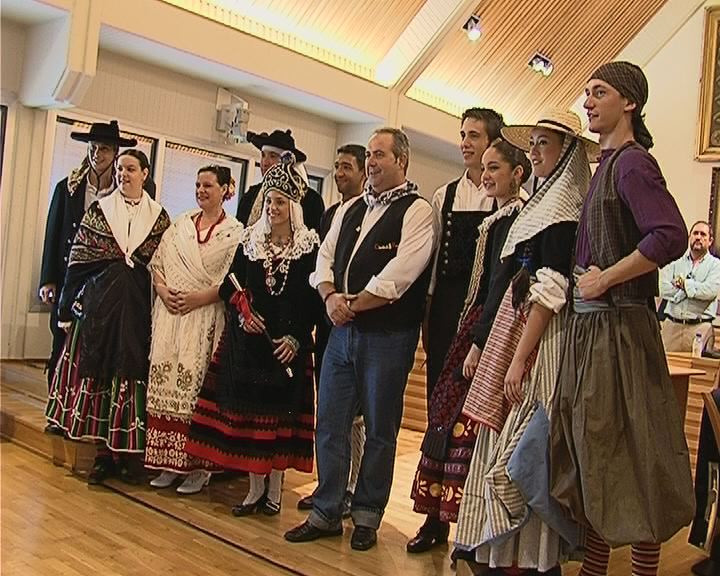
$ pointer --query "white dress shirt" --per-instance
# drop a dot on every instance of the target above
(413, 254)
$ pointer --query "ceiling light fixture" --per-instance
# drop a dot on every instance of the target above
(473, 29)
(541, 64)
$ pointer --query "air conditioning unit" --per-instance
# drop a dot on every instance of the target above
(233, 115)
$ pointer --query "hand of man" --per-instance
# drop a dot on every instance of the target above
(338, 309)
(679, 283)
(48, 293)
(591, 284)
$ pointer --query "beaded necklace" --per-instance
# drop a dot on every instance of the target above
(282, 266)
(210, 230)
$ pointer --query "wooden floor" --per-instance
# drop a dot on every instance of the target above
(53, 523)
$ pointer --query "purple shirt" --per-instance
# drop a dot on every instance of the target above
(641, 186)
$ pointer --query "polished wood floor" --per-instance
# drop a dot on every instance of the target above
(53, 523)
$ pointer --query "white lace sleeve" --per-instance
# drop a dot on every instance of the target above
(550, 290)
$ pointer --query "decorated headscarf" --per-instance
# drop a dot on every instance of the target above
(288, 181)
(629, 79)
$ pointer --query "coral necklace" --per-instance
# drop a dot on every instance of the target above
(210, 230)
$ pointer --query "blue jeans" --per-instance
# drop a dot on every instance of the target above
(368, 369)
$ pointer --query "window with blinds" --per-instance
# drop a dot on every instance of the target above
(180, 166)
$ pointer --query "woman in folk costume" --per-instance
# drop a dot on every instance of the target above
(447, 445)
(505, 514)
(99, 387)
(255, 409)
(188, 267)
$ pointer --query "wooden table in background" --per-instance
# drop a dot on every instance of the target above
(680, 376)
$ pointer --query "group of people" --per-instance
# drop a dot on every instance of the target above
(553, 428)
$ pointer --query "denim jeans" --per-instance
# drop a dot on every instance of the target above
(368, 369)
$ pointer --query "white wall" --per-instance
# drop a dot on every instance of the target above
(142, 97)
(175, 104)
(429, 173)
(672, 115)
(12, 48)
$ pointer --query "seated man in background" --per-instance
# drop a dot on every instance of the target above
(690, 285)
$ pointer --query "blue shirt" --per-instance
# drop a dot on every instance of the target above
(702, 283)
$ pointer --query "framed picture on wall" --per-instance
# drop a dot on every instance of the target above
(714, 213)
(709, 124)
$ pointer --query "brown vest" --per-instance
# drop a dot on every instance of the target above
(614, 233)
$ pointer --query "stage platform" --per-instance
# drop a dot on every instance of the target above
(257, 540)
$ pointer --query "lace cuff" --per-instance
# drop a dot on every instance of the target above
(550, 290)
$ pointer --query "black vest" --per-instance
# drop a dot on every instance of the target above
(614, 233)
(377, 249)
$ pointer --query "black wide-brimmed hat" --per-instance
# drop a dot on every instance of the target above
(279, 139)
(106, 133)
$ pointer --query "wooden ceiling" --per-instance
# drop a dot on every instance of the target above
(576, 35)
(367, 27)
(448, 71)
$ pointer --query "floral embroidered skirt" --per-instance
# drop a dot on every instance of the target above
(111, 411)
(171, 399)
(438, 486)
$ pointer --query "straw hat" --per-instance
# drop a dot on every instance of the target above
(557, 120)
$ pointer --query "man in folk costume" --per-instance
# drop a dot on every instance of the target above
(349, 175)
(459, 207)
(92, 180)
(372, 273)
(272, 146)
(619, 461)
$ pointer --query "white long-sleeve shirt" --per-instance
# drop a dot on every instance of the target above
(414, 252)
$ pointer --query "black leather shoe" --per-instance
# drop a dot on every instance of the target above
(306, 532)
(103, 467)
(252, 508)
(270, 508)
(131, 470)
(54, 429)
(363, 538)
(707, 567)
(305, 503)
(430, 534)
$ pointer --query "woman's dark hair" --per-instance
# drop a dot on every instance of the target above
(222, 173)
(139, 155)
(513, 156)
